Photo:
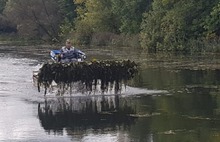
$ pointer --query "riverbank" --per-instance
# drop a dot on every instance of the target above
(114, 41)
(14, 40)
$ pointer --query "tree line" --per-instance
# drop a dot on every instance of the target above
(154, 25)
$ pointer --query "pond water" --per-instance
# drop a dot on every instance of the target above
(171, 99)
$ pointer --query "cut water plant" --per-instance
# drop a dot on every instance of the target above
(107, 74)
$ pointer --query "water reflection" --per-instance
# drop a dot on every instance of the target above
(77, 114)
(178, 80)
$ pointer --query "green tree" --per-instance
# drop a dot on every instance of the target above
(151, 34)
(212, 22)
(68, 12)
(129, 14)
(97, 14)
(2, 5)
(173, 24)
(34, 18)
(5, 25)
(93, 17)
(109, 17)
(113, 15)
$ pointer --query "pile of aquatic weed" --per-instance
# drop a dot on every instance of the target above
(107, 74)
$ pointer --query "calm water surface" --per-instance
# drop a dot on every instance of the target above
(172, 99)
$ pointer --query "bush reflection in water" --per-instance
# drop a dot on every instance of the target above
(82, 113)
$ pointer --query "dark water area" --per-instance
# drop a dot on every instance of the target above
(171, 99)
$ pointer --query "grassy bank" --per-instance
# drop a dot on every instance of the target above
(15, 40)
(113, 41)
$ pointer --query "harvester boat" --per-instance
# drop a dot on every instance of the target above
(75, 56)
(67, 72)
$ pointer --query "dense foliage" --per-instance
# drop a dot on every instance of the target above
(159, 25)
(2, 5)
(174, 24)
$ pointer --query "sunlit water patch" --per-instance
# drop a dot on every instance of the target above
(18, 119)
(126, 91)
